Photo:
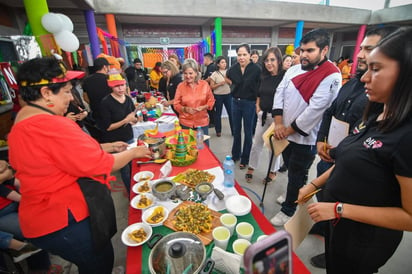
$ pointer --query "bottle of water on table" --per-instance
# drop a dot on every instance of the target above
(229, 172)
(199, 138)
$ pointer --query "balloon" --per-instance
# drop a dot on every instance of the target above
(67, 41)
(289, 50)
(67, 23)
(52, 22)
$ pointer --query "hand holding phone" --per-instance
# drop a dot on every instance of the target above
(273, 254)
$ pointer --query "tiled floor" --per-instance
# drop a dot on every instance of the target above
(400, 263)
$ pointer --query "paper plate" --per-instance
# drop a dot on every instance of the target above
(135, 201)
(146, 214)
(143, 176)
(125, 234)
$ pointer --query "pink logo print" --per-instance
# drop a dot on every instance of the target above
(377, 144)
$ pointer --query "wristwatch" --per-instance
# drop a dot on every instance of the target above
(339, 209)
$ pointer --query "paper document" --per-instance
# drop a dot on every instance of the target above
(278, 145)
(299, 225)
(338, 130)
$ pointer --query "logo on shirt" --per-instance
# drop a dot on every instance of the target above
(372, 143)
(358, 128)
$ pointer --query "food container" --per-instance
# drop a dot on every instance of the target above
(177, 253)
(204, 189)
(163, 189)
(156, 145)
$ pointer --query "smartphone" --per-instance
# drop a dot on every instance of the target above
(273, 254)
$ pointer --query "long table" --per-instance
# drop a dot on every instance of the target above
(135, 260)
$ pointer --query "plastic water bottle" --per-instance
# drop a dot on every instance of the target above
(229, 172)
(199, 138)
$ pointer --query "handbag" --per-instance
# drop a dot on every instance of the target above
(101, 210)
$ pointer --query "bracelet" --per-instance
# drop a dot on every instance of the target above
(338, 212)
(184, 109)
(316, 187)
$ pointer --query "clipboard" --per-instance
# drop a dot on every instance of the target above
(300, 224)
(278, 145)
(338, 130)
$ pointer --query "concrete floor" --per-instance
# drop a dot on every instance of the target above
(400, 263)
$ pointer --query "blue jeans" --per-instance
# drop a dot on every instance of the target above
(205, 131)
(242, 110)
(74, 244)
(126, 171)
(298, 158)
(221, 100)
(10, 228)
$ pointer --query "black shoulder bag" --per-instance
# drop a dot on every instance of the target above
(101, 210)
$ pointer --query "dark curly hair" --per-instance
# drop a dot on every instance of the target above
(33, 71)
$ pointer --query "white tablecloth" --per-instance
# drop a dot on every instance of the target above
(166, 123)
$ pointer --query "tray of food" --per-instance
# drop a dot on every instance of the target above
(195, 218)
(192, 177)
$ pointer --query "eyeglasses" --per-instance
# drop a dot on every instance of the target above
(164, 71)
(271, 60)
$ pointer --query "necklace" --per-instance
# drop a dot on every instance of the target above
(40, 107)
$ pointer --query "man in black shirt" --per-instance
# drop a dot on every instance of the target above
(137, 76)
(95, 88)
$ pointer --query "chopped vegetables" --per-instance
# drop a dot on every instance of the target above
(194, 218)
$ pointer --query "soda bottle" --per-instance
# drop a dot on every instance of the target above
(199, 138)
(229, 172)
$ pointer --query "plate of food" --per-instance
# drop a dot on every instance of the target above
(143, 176)
(192, 177)
(155, 215)
(136, 234)
(142, 187)
(195, 218)
(142, 201)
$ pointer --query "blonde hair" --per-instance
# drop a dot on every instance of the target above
(169, 65)
(191, 63)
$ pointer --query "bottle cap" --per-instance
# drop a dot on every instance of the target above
(228, 157)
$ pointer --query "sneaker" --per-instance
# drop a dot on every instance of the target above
(280, 219)
(26, 251)
(318, 261)
(280, 199)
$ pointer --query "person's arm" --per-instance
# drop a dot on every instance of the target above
(258, 105)
(130, 118)
(177, 101)
(14, 196)
(398, 218)
(122, 158)
(86, 97)
(114, 146)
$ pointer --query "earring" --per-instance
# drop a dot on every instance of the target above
(49, 104)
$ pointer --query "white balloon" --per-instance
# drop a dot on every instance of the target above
(52, 22)
(67, 23)
(67, 41)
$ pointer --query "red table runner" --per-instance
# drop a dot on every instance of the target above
(206, 160)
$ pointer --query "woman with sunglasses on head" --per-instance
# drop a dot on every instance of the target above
(50, 153)
(221, 90)
(272, 74)
(368, 192)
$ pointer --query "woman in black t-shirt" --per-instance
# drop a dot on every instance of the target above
(272, 74)
(368, 192)
(117, 115)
